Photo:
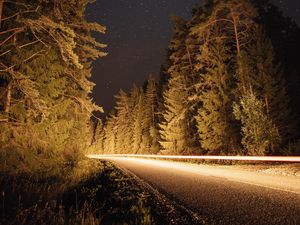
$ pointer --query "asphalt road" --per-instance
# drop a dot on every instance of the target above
(222, 195)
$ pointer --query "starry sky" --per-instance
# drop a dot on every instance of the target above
(138, 34)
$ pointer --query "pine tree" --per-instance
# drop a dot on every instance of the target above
(150, 139)
(137, 125)
(217, 32)
(110, 134)
(259, 131)
(284, 34)
(266, 80)
(99, 136)
(123, 118)
(127, 121)
(217, 127)
(175, 129)
(227, 20)
(133, 103)
(233, 23)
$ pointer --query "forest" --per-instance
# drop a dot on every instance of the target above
(46, 126)
(229, 86)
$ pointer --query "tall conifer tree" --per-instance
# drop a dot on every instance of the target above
(217, 127)
(175, 129)
(265, 79)
(150, 140)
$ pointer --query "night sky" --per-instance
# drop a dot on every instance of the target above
(138, 33)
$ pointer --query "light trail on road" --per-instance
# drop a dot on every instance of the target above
(201, 157)
(291, 184)
(223, 194)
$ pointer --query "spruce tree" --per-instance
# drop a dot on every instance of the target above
(284, 34)
(217, 127)
(150, 139)
(175, 128)
(98, 138)
(258, 129)
(122, 124)
(110, 132)
(265, 79)
(133, 103)
(250, 67)
(137, 125)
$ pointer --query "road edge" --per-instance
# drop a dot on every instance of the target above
(177, 214)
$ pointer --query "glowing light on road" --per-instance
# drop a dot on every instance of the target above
(149, 162)
(195, 157)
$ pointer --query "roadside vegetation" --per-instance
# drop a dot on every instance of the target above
(94, 193)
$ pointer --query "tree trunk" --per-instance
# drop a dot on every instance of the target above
(190, 58)
(235, 20)
(235, 24)
(8, 97)
(1, 9)
(267, 105)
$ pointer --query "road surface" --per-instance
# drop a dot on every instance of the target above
(222, 195)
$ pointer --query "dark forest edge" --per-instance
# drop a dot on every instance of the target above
(229, 87)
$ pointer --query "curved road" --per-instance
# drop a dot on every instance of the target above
(222, 195)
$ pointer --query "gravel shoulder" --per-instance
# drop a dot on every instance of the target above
(290, 170)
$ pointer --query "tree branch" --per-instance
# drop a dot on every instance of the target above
(9, 37)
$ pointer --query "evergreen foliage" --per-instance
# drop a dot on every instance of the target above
(110, 134)
(217, 127)
(46, 54)
(123, 122)
(174, 130)
(151, 137)
(138, 123)
(132, 128)
(284, 34)
(176, 125)
(265, 79)
(259, 131)
(98, 137)
(221, 81)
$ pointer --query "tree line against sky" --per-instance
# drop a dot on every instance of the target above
(229, 86)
